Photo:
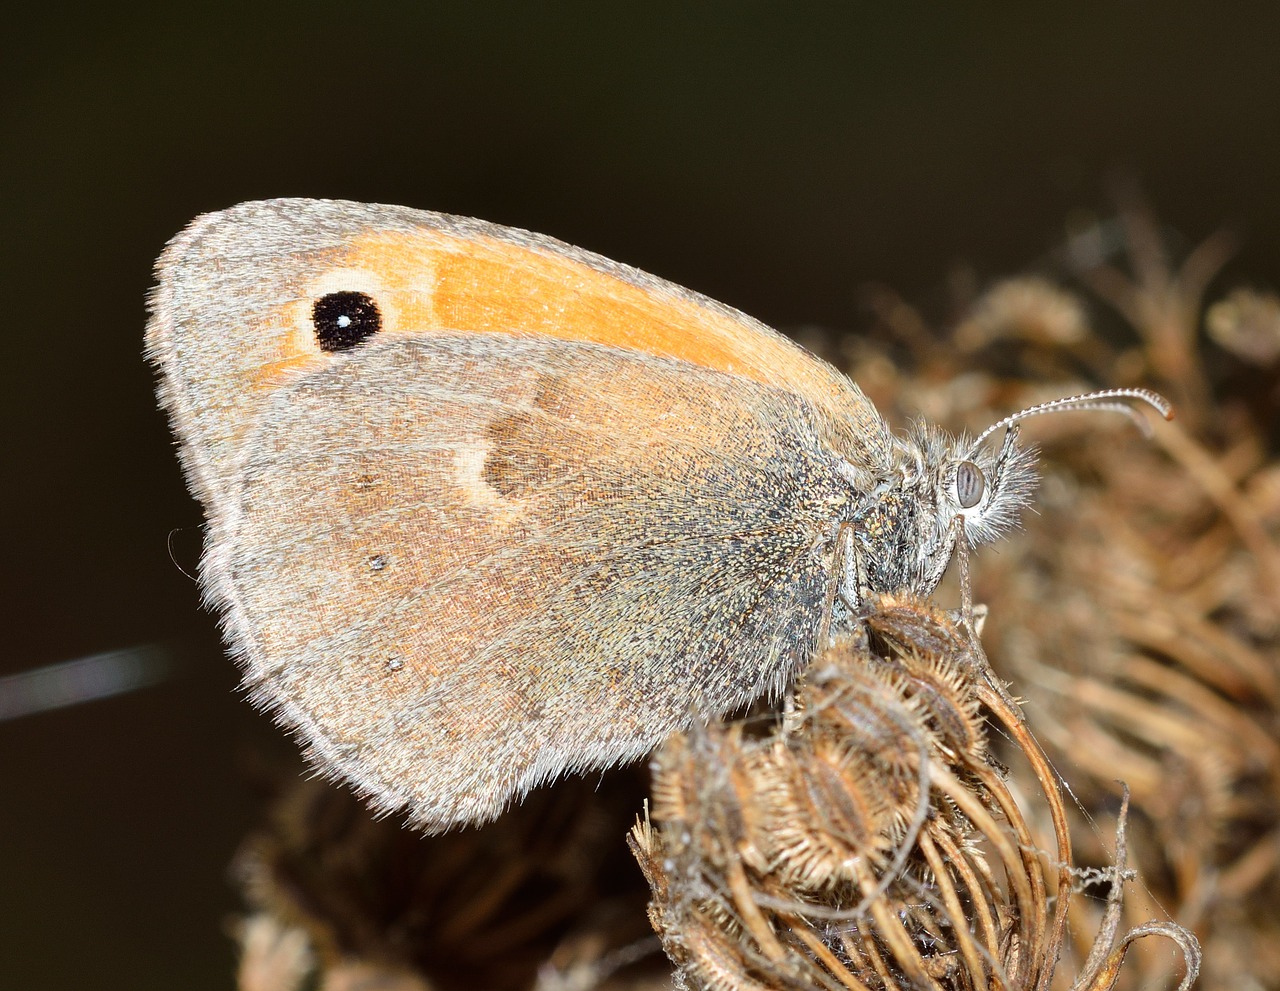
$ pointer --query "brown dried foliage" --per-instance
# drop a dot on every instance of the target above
(544, 898)
(869, 841)
(1139, 612)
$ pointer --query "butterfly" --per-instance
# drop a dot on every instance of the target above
(484, 508)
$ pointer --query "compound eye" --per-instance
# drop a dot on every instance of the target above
(970, 484)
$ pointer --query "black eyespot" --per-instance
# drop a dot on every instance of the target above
(970, 484)
(345, 319)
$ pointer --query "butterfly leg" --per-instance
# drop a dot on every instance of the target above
(844, 587)
(972, 616)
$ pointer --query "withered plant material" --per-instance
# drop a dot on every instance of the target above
(544, 898)
(870, 840)
(1139, 613)
(1247, 323)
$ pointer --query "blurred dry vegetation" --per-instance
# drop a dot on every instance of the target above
(1061, 805)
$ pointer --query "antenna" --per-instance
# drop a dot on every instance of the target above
(1107, 399)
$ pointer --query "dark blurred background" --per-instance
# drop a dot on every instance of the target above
(773, 156)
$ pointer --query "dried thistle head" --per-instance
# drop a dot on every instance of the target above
(871, 842)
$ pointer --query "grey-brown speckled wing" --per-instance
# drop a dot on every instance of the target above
(463, 566)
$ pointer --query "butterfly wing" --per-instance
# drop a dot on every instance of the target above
(463, 565)
(550, 510)
(233, 315)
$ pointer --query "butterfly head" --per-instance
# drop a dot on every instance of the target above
(945, 491)
(964, 486)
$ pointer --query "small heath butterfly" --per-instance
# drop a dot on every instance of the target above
(484, 508)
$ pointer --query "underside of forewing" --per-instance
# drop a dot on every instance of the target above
(232, 314)
(461, 566)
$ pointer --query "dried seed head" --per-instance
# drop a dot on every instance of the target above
(942, 689)
(847, 850)
(822, 812)
(1027, 308)
(872, 843)
(1247, 323)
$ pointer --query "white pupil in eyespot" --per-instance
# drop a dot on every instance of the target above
(344, 321)
(970, 484)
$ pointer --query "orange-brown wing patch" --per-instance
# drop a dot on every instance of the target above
(537, 287)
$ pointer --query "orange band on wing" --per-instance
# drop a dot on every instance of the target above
(487, 285)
